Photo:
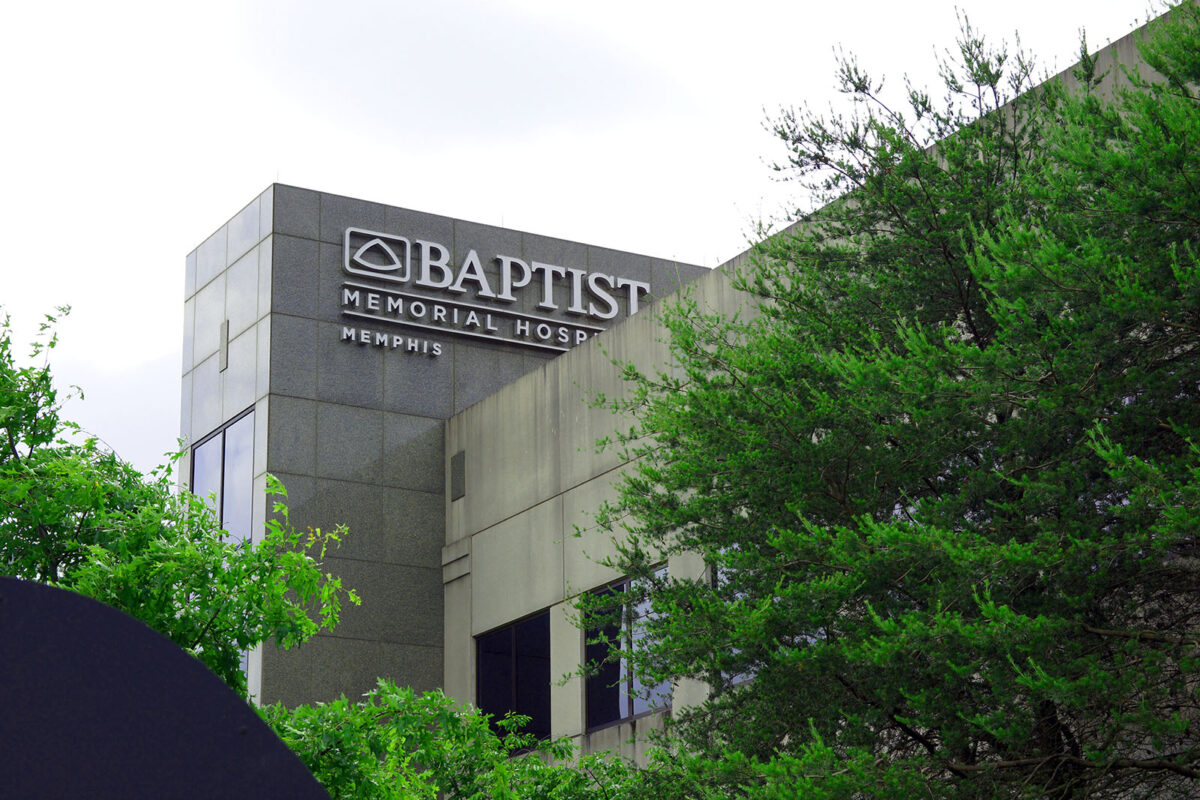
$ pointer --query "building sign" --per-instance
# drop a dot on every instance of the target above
(400, 288)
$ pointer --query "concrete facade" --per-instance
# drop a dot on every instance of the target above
(533, 477)
(354, 428)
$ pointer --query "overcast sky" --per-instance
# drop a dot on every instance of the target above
(136, 129)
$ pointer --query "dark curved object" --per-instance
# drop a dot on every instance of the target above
(95, 704)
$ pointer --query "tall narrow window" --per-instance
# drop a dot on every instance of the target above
(512, 668)
(613, 691)
(223, 470)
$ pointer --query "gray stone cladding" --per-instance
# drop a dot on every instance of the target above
(356, 429)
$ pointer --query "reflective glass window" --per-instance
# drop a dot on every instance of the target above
(223, 473)
(613, 691)
(238, 478)
(206, 470)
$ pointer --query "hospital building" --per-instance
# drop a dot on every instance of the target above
(426, 381)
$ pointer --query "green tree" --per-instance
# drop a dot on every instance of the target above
(398, 744)
(73, 515)
(947, 478)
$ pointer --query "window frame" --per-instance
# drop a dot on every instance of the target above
(221, 431)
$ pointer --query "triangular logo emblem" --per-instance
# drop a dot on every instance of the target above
(377, 256)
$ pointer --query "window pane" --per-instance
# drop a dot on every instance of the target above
(513, 673)
(237, 502)
(494, 672)
(648, 697)
(614, 692)
(604, 688)
(533, 673)
(206, 470)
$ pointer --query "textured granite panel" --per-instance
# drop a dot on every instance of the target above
(331, 275)
(560, 253)
(266, 252)
(349, 372)
(339, 213)
(481, 369)
(189, 326)
(210, 313)
(297, 212)
(469, 235)
(239, 378)
(413, 453)
(189, 275)
(536, 359)
(258, 510)
(293, 362)
(261, 420)
(294, 270)
(262, 379)
(488, 242)
(668, 276)
(292, 435)
(210, 258)
(554, 251)
(349, 442)
(206, 398)
(417, 225)
(266, 211)
(325, 667)
(415, 383)
(628, 265)
(241, 293)
(299, 495)
(393, 526)
(243, 232)
(185, 407)
(618, 262)
(400, 604)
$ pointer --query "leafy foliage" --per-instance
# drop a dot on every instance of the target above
(74, 515)
(947, 479)
(398, 744)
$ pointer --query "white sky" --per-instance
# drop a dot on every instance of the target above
(136, 129)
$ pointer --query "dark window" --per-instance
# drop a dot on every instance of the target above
(223, 472)
(512, 668)
(613, 691)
